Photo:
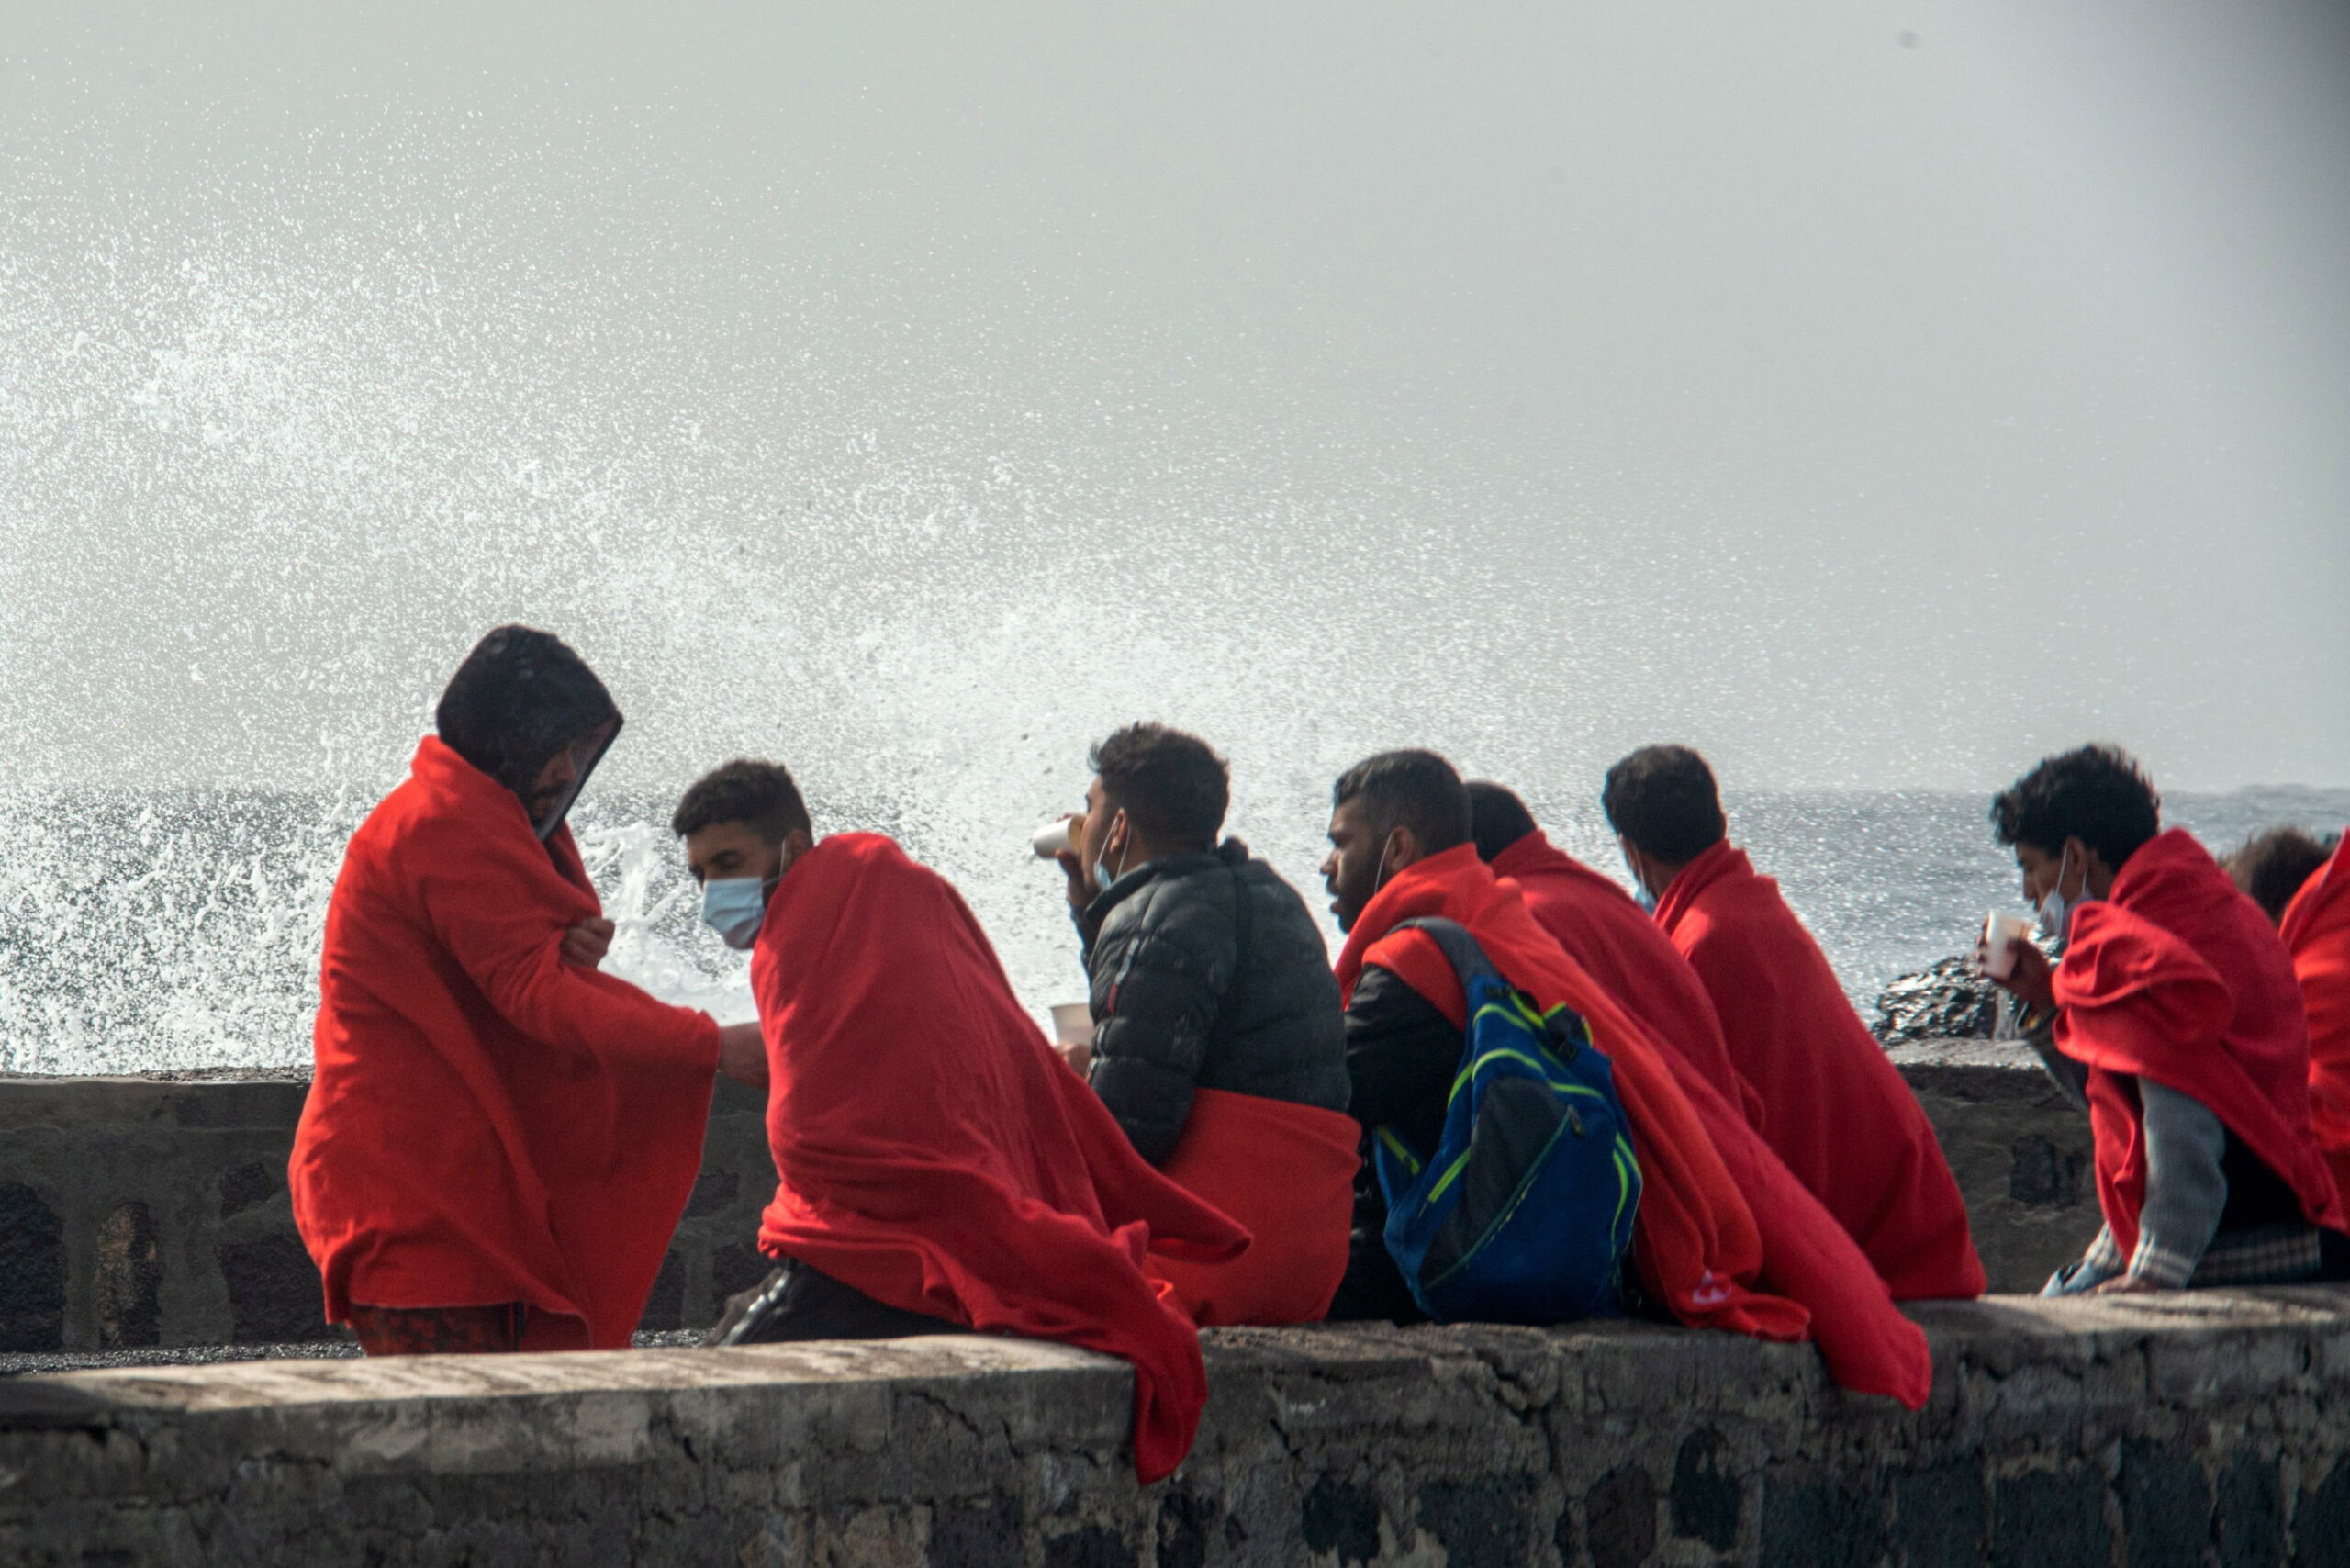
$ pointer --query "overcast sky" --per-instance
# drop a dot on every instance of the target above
(1875, 394)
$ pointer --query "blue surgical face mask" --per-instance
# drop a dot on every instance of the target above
(1103, 875)
(734, 907)
(1648, 900)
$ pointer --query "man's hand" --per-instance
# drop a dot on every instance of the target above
(1082, 889)
(1079, 1054)
(586, 943)
(743, 1054)
(2032, 980)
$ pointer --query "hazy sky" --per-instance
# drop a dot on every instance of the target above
(1876, 393)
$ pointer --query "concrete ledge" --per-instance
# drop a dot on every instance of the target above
(152, 1211)
(2166, 1430)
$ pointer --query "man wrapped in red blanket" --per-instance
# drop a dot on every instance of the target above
(2175, 1013)
(1827, 1098)
(1725, 1237)
(939, 1167)
(499, 1139)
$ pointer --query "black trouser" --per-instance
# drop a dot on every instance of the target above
(795, 1302)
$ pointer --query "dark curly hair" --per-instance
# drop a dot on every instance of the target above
(1663, 802)
(759, 793)
(1172, 786)
(2098, 794)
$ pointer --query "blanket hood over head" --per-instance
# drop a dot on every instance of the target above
(2316, 932)
(520, 697)
(932, 1150)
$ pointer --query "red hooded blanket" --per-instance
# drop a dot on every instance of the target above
(2176, 976)
(1720, 1219)
(934, 1153)
(487, 1123)
(1617, 945)
(2316, 932)
(1833, 1105)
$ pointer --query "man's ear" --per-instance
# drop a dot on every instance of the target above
(1403, 848)
(795, 843)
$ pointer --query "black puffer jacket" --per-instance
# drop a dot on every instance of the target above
(1163, 945)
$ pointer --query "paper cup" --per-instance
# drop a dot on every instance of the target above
(2001, 932)
(1072, 1023)
(1058, 838)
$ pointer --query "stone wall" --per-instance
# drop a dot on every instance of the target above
(137, 1212)
(2192, 1430)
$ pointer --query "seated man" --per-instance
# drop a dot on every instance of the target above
(2179, 1003)
(1830, 1103)
(2316, 932)
(1724, 1237)
(938, 1168)
(2273, 865)
(1601, 929)
(1217, 1042)
(498, 1140)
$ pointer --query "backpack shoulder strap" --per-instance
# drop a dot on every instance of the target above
(1461, 950)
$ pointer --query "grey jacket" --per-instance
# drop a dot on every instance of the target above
(1208, 972)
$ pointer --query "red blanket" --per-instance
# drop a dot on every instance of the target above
(2177, 976)
(487, 1123)
(1833, 1107)
(936, 1154)
(1722, 1222)
(2316, 932)
(1286, 1173)
(1617, 944)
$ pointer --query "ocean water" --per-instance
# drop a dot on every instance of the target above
(180, 928)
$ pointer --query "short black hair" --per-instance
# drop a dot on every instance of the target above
(2098, 794)
(1497, 818)
(2272, 865)
(1171, 785)
(759, 793)
(1662, 800)
(518, 698)
(1418, 790)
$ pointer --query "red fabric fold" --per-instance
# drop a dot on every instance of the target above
(1722, 1225)
(1286, 1173)
(2177, 976)
(1833, 1105)
(488, 1124)
(1620, 946)
(2316, 933)
(934, 1153)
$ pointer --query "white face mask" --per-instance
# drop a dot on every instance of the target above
(2054, 907)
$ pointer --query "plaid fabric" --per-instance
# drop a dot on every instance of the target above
(439, 1330)
(2269, 1255)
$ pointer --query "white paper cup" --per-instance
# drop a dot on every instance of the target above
(1058, 838)
(1072, 1023)
(2001, 932)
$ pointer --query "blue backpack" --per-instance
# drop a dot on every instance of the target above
(1523, 1212)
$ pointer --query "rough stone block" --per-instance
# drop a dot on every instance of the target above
(32, 1271)
(1938, 1517)
(1620, 1519)
(2166, 1506)
(274, 1291)
(129, 1279)
(2044, 1519)
(1705, 1495)
(1818, 1523)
